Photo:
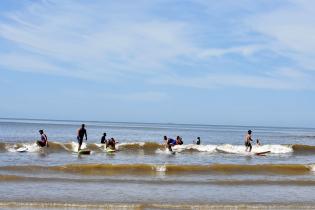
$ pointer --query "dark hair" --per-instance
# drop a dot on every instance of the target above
(198, 137)
(165, 137)
(104, 134)
(41, 131)
(83, 125)
(249, 131)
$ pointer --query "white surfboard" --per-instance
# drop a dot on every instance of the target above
(22, 149)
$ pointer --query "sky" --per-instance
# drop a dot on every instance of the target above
(228, 62)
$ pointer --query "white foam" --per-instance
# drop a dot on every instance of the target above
(163, 151)
(160, 168)
(200, 148)
(99, 145)
(240, 149)
(29, 147)
(312, 167)
(75, 146)
(141, 144)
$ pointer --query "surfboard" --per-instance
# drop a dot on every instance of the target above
(84, 152)
(22, 149)
(262, 153)
(109, 150)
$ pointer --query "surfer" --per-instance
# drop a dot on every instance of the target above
(248, 139)
(80, 136)
(198, 141)
(43, 139)
(169, 142)
(103, 139)
(179, 140)
(258, 142)
(111, 143)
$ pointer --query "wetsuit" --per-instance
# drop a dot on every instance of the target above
(198, 142)
(103, 140)
(80, 136)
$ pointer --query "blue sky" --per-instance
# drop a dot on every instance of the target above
(182, 61)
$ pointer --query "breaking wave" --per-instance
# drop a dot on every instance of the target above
(151, 169)
(153, 148)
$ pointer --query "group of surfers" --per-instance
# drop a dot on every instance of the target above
(81, 134)
(111, 142)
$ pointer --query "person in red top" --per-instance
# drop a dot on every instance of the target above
(43, 139)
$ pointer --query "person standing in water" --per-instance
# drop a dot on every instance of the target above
(80, 136)
(43, 139)
(103, 139)
(198, 141)
(248, 139)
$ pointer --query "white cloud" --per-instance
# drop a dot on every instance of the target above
(92, 41)
(291, 31)
(282, 79)
(112, 41)
(243, 50)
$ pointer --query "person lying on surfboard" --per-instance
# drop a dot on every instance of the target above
(248, 139)
(43, 139)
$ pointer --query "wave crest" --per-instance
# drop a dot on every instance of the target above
(153, 147)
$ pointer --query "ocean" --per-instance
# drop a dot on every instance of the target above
(142, 174)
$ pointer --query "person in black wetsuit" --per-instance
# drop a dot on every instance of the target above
(43, 139)
(80, 136)
(198, 141)
(103, 139)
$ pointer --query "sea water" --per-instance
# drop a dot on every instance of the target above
(143, 174)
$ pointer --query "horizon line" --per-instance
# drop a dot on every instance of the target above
(194, 124)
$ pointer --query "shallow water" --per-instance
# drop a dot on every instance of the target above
(142, 172)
